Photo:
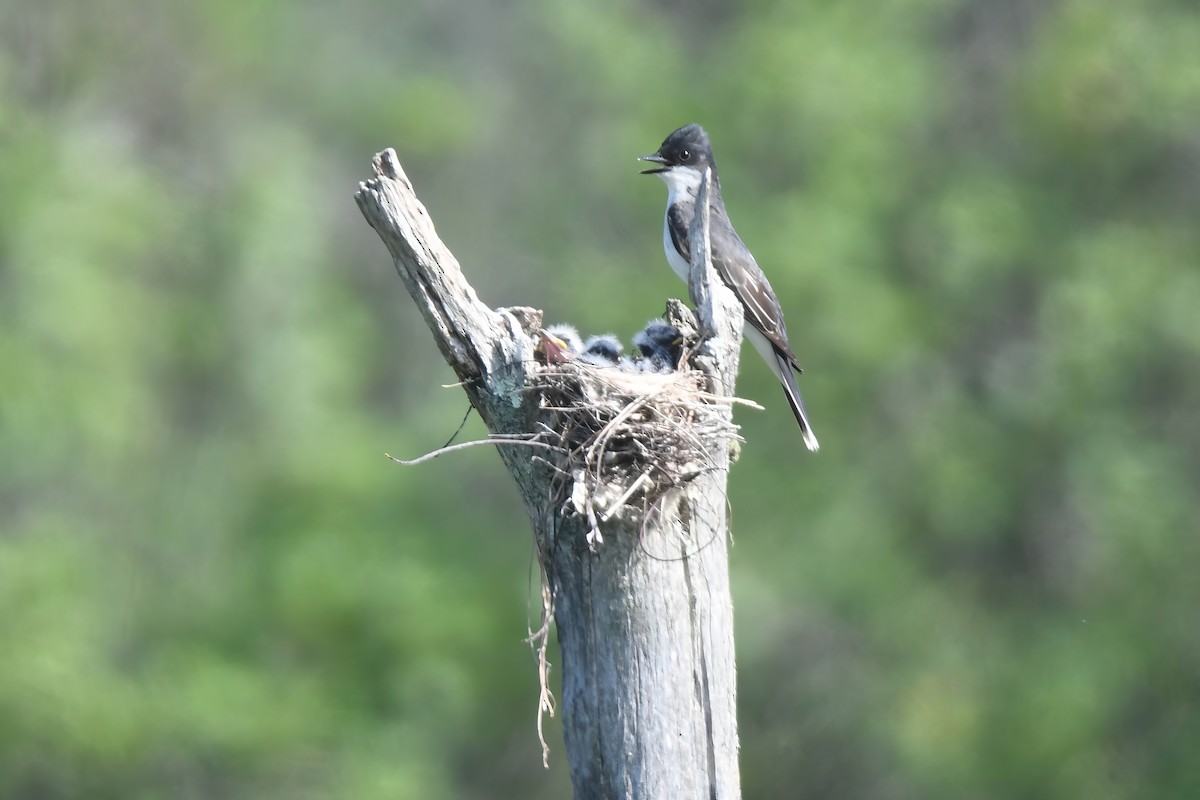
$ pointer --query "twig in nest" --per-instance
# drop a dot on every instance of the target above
(474, 443)
(633, 487)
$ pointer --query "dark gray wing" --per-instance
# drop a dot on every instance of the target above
(736, 265)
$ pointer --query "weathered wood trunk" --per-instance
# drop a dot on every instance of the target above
(646, 633)
(643, 611)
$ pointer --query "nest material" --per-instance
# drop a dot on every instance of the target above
(626, 438)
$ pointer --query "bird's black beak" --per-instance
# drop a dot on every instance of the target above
(654, 158)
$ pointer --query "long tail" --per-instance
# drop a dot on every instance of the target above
(787, 379)
(782, 367)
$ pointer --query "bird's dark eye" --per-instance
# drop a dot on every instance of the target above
(684, 155)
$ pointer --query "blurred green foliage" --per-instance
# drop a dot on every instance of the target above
(981, 218)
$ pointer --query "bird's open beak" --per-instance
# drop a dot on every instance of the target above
(654, 158)
(555, 350)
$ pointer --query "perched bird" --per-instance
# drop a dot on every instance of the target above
(682, 159)
(602, 351)
(561, 343)
(661, 345)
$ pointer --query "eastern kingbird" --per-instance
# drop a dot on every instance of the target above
(683, 157)
(661, 345)
(602, 351)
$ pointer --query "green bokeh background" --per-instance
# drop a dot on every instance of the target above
(982, 218)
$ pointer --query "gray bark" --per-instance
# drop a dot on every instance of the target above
(643, 612)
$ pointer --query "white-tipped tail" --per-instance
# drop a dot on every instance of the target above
(783, 371)
(788, 379)
(810, 441)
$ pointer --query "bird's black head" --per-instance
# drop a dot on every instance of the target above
(686, 147)
(661, 344)
(656, 335)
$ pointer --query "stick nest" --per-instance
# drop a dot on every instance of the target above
(624, 438)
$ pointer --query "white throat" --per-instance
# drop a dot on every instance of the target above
(682, 182)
